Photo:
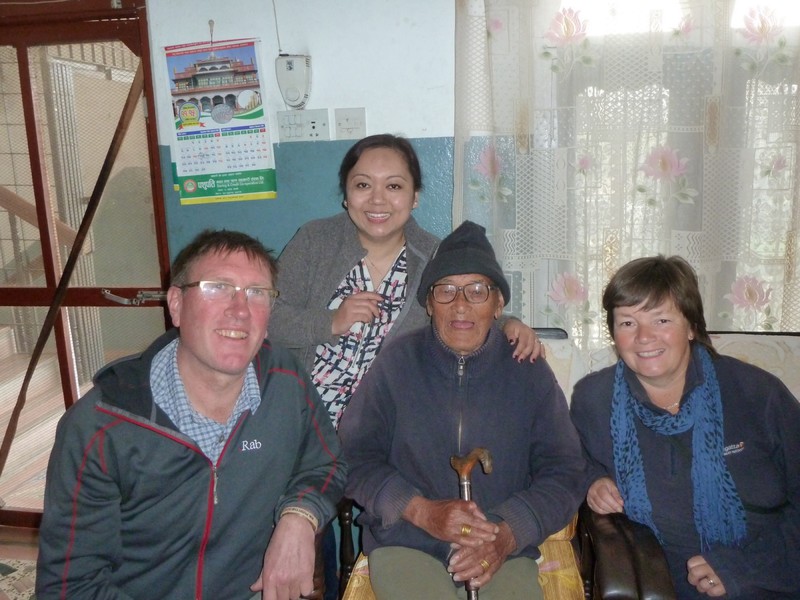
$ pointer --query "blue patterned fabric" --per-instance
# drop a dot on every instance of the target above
(718, 512)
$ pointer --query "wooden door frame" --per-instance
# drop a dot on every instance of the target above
(74, 22)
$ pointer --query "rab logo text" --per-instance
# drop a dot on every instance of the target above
(254, 445)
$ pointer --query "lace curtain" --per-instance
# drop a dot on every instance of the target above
(592, 132)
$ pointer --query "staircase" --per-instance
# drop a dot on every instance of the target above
(22, 480)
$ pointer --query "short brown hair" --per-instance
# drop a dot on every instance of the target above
(224, 242)
(651, 281)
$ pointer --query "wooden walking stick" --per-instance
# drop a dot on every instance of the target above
(463, 465)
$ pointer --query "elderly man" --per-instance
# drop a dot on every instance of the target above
(201, 468)
(442, 391)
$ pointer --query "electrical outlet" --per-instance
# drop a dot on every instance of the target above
(351, 123)
(303, 125)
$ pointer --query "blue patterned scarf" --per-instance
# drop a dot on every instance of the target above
(718, 512)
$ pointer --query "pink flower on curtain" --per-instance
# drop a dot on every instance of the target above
(778, 165)
(567, 44)
(685, 27)
(567, 290)
(495, 24)
(748, 293)
(761, 27)
(663, 164)
(491, 185)
(585, 163)
(774, 166)
(490, 165)
(566, 28)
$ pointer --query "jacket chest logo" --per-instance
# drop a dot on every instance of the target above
(248, 446)
(733, 449)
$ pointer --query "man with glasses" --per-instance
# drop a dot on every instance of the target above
(201, 468)
(446, 390)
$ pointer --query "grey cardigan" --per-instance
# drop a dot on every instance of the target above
(313, 265)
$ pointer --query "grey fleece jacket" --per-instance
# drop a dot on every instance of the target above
(134, 509)
(313, 265)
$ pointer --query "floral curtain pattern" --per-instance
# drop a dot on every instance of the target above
(591, 132)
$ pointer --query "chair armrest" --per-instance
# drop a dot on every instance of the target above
(347, 556)
(344, 514)
(621, 559)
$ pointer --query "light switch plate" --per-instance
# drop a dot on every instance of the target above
(351, 123)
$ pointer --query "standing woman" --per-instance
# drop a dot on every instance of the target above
(703, 449)
(346, 279)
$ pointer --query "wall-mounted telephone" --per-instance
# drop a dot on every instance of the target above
(293, 72)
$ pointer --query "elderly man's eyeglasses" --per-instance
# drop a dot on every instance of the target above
(219, 291)
(475, 293)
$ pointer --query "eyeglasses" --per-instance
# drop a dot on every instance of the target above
(474, 293)
(219, 291)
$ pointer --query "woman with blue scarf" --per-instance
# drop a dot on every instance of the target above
(703, 449)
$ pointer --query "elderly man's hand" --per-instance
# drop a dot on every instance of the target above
(479, 564)
(288, 571)
(451, 520)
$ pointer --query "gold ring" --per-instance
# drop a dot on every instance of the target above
(711, 582)
(485, 564)
(466, 529)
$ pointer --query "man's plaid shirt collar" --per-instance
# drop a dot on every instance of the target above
(170, 395)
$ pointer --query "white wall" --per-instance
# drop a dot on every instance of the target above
(394, 58)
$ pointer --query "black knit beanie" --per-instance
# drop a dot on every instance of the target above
(466, 250)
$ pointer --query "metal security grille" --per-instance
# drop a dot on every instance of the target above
(81, 221)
